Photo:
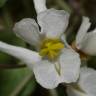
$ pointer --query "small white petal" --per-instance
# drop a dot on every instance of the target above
(28, 30)
(53, 22)
(81, 35)
(86, 71)
(89, 43)
(46, 74)
(40, 5)
(27, 56)
(70, 66)
(88, 81)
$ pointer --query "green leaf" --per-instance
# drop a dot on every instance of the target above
(2, 2)
(11, 78)
(28, 89)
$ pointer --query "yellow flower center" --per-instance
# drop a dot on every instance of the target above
(51, 48)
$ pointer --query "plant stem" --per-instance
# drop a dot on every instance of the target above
(64, 5)
(10, 66)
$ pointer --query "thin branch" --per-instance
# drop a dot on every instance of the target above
(11, 66)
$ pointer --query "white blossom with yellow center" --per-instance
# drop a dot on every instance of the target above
(53, 61)
(51, 48)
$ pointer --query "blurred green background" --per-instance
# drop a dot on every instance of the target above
(15, 79)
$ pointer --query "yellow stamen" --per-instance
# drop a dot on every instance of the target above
(51, 48)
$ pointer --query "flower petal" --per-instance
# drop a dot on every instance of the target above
(46, 74)
(40, 5)
(28, 30)
(88, 45)
(70, 66)
(82, 32)
(88, 81)
(53, 22)
(27, 56)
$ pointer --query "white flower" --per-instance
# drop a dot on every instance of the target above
(54, 61)
(87, 84)
(86, 41)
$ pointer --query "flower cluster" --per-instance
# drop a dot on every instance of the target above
(54, 61)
